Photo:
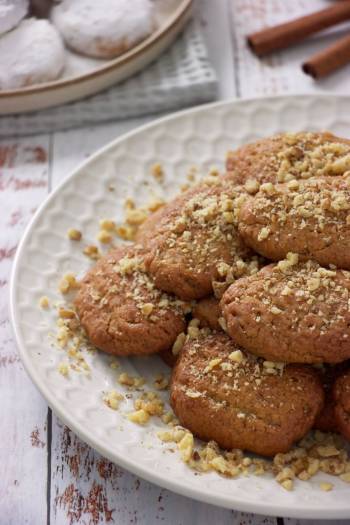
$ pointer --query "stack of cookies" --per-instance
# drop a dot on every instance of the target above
(242, 283)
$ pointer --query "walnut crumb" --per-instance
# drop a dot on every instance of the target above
(158, 172)
(112, 399)
(74, 235)
(63, 369)
(68, 283)
(141, 417)
(105, 237)
(326, 487)
(44, 302)
(92, 251)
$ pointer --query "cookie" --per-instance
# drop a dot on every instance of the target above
(196, 241)
(208, 312)
(326, 421)
(311, 218)
(103, 29)
(31, 53)
(11, 13)
(122, 311)
(288, 156)
(341, 395)
(291, 312)
(219, 392)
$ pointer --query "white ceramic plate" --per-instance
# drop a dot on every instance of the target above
(84, 76)
(199, 137)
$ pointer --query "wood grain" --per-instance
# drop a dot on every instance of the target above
(24, 168)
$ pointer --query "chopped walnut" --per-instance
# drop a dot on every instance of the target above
(44, 302)
(74, 235)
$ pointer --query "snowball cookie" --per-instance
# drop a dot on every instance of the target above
(221, 393)
(290, 156)
(11, 13)
(311, 218)
(30, 54)
(341, 395)
(103, 28)
(122, 311)
(195, 243)
(291, 312)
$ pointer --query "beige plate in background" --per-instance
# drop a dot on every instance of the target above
(85, 76)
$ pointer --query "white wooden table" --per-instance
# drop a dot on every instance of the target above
(47, 475)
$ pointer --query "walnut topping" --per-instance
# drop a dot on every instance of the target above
(107, 225)
(180, 341)
(237, 356)
(264, 233)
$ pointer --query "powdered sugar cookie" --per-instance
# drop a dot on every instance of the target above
(11, 13)
(103, 29)
(30, 54)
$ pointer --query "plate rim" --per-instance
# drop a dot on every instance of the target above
(145, 45)
(185, 488)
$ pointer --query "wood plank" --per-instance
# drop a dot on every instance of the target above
(280, 73)
(24, 167)
(88, 489)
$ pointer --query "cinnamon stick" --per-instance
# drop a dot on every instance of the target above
(332, 58)
(284, 35)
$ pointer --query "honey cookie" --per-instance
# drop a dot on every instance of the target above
(103, 29)
(196, 241)
(208, 312)
(311, 218)
(220, 392)
(326, 421)
(288, 156)
(341, 395)
(291, 312)
(122, 311)
(31, 53)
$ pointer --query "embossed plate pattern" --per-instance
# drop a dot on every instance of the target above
(200, 137)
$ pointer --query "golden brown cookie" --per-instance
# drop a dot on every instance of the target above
(196, 241)
(168, 357)
(208, 312)
(291, 312)
(290, 156)
(311, 218)
(326, 421)
(221, 393)
(341, 395)
(122, 311)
